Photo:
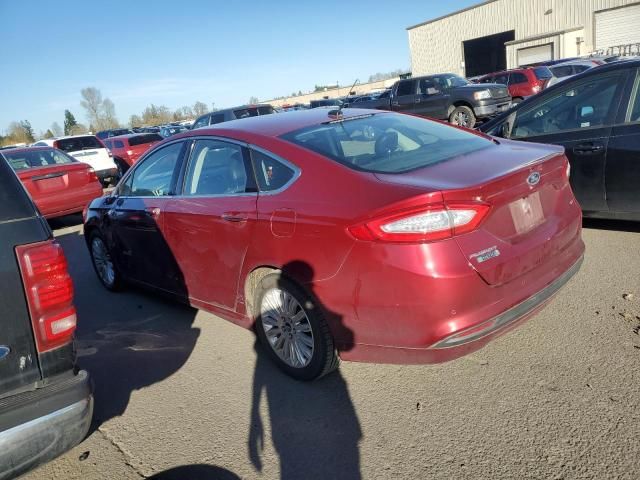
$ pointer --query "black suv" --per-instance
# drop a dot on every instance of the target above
(235, 113)
(45, 402)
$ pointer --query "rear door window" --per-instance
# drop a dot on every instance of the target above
(119, 143)
(502, 79)
(217, 168)
(517, 77)
(246, 112)
(217, 118)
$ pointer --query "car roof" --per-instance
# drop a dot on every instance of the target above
(30, 149)
(278, 124)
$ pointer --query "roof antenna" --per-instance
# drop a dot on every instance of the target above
(338, 112)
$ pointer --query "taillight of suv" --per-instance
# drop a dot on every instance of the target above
(49, 292)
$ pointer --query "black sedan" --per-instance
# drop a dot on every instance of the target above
(596, 117)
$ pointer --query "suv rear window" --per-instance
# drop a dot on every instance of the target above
(387, 143)
(542, 73)
(25, 159)
(246, 112)
(78, 143)
(140, 139)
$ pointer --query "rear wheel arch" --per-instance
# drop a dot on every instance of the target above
(251, 285)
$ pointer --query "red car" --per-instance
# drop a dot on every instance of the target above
(58, 183)
(522, 82)
(372, 236)
(127, 149)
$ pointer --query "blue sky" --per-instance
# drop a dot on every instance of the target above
(174, 53)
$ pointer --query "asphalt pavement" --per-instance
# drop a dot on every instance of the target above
(182, 394)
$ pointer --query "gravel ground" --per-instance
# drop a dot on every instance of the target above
(556, 398)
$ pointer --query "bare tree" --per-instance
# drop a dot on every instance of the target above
(108, 118)
(199, 108)
(92, 103)
(78, 129)
(135, 121)
(253, 100)
(56, 129)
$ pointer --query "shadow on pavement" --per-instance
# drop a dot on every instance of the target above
(66, 221)
(195, 472)
(314, 426)
(126, 340)
(618, 225)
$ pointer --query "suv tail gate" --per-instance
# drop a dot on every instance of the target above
(533, 216)
(19, 225)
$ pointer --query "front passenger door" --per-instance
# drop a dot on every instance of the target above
(622, 176)
(578, 117)
(431, 101)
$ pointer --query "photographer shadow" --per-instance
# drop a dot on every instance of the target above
(314, 427)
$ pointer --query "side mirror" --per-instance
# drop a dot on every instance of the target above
(110, 199)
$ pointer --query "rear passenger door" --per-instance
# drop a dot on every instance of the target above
(210, 223)
(405, 97)
(622, 177)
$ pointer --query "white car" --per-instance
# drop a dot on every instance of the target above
(87, 149)
(562, 71)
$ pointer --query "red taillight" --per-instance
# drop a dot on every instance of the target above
(49, 291)
(425, 224)
(93, 176)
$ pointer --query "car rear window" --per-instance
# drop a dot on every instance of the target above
(25, 159)
(78, 143)
(542, 73)
(387, 143)
(140, 139)
(246, 112)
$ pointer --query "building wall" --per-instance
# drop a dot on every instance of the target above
(437, 46)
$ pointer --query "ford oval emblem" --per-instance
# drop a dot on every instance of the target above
(533, 179)
(4, 351)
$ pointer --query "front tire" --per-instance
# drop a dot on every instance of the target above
(462, 116)
(103, 263)
(293, 330)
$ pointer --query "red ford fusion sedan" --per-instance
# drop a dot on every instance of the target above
(358, 234)
(58, 183)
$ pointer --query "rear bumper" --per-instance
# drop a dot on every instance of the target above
(38, 426)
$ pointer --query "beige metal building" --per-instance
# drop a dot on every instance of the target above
(498, 34)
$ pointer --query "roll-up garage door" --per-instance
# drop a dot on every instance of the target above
(529, 55)
(619, 26)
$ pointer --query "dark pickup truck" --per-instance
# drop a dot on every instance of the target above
(45, 402)
(444, 97)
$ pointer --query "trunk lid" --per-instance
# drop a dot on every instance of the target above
(48, 181)
(529, 194)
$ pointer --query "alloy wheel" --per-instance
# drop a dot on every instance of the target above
(102, 261)
(287, 328)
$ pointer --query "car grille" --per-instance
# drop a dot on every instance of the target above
(499, 92)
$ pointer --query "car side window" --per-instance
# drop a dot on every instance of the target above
(217, 118)
(119, 144)
(406, 87)
(201, 122)
(427, 87)
(154, 175)
(586, 104)
(517, 77)
(501, 79)
(217, 168)
(633, 112)
(562, 71)
(270, 173)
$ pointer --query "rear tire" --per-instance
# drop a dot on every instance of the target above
(293, 330)
(103, 263)
(462, 116)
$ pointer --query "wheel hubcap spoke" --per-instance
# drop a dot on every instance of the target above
(287, 327)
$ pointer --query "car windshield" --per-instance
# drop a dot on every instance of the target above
(78, 143)
(450, 81)
(387, 143)
(140, 139)
(25, 159)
